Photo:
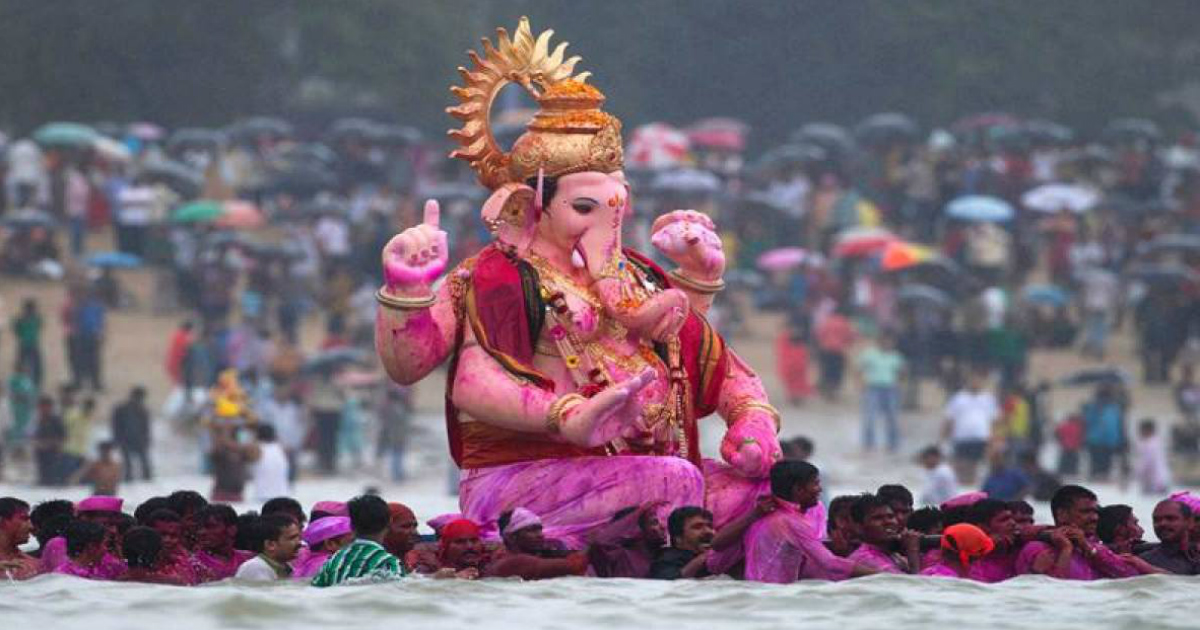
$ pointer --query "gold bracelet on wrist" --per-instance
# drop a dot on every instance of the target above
(558, 408)
(404, 304)
(699, 286)
(742, 407)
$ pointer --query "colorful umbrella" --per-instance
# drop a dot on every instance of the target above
(727, 134)
(200, 211)
(980, 208)
(657, 146)
(116, 260)
(1056, 197)
(1045, 294)
(239, 215)
(65, 134)
(859, 242)
(899, 255)
(781, 259)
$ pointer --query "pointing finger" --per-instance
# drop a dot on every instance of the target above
(433, 213)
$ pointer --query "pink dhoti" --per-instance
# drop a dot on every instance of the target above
(576, 495)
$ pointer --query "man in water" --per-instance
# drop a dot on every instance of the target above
(900, 499)
(882, 535)
(142, 548)
(627, 545)
(784, 546)
(692, 534)
(527, 555)
(85, 551)
(1173, 523)
(1118, 528)
(176, 559)
(215, 557)
(402, 534)
(1073, 551)
(14, 532)
(277, 541)
(365, 558)
(996, 519)
(843, 538)
(460, 551)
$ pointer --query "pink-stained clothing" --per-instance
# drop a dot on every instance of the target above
(109, 568)
(181, 567)
(994, 567)
(783, 547)
(876, 558)
(1105, 564)
(211, 567)
(573, 496)
(308, 566)
(938, 569)
(54, 554)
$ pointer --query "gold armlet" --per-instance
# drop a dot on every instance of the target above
(744, 406)
(558, 408)
(699, 286)
(404, 304)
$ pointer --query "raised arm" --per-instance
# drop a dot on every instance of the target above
(751, 444)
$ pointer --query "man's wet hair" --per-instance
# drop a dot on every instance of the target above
(369, 514)
(787, 474)
(1021, 506)
(679, 517)
(219, 512)
(1112, 517)
(186, 502)
(269, 527)
(1065, 497)
(839, 507)
(83, 534)
(866, 503)
(10, 506)
(163, 516)
(895, 493)
(983, 511)
(141, 547)
(149, 506)
(927, 520)
(283, 505)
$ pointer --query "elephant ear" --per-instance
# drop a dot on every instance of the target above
(509, 214)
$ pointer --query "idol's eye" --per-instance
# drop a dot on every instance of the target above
(583, 207)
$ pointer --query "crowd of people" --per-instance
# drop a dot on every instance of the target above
(787, 536)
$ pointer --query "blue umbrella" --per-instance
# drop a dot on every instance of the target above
(116, 260)
(1046, 294)
(980, 208)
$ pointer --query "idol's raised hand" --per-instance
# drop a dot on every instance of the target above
(414, 258)
(690, 240)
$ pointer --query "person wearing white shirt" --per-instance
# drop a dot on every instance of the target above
(969, 416)
(277, 540)
(940, 482)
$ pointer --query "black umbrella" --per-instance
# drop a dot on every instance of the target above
(826, 135)
(1182, 243)
(180, 177)
(259, 126)
(885, 127)
(792, 155)
(1132, 129)
(396, 135)
(922, 293)
(353, 128)
(329, 360)
(1163, 275)
(1095, 376)
(1048, 132)
(302, 181)
(198, 137)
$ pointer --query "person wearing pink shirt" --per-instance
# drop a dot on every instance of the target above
(1073, 551)
(215, 558)
(783, 546)
(176, 559)
(963, 545)
(86, 552)
(882, 536)
(996, 519)
(324, 538)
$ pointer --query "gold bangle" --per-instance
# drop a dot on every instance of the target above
(404, 304)
(699, 286)
(559, 408)
(742, 407)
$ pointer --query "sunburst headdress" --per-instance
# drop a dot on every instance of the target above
(569, 134)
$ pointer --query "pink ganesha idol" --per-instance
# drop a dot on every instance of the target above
(577, 368)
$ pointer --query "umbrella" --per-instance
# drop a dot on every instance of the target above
(1048, 294)
(27, 218)
(687, 180)
(1095, 376)
(111, 150)
(239, 215)
(792, 155)
(116, 260)
(180, 177)
(1056, 197)
(1131, 130)
(195, 137)
(1164, 275)
(261, 126)
(335, 358)
(147, 132)
(923, 293)
(452, 191)
(657, 146)
(1048, 132)
(353, 128)
(856, 242)
(358, 378)
(1184, 243)
(781, 258)
(201, 211)
(397, 135)
(65, 134)
(726, 134)
(302, 180)
(826, 135)
(979, 208)
(885, 127)
(985, 121)
(899, 255)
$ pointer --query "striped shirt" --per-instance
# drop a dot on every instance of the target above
(364, 560)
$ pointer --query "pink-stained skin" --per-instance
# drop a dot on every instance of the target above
(571, 495)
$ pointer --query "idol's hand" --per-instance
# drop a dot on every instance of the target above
(690, 240)
(605, 417)
(751, 446)
(414, 258)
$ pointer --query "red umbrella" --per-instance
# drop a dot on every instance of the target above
(241, 215)
(656, 146)
(727, 134)
(859, 242)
